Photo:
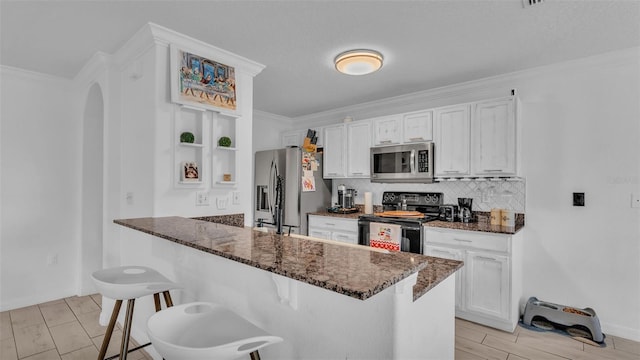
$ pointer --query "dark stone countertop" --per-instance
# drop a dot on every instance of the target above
(356, 271)
(476, 226)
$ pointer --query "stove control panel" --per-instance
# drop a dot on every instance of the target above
(412, 199)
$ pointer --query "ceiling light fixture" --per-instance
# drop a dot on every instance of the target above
(358, 62)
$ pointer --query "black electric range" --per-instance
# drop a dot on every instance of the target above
(426, 203)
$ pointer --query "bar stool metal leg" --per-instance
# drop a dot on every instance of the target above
(126, 332)
(112, 324)
(254, 355)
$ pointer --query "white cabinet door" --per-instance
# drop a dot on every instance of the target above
(345, 237)
(494, 138)
(334, 161)
(358, 153)
(386, 130)
(292, 138)
(452, 130)
(487, 284)
(418, 126)
(452, 254)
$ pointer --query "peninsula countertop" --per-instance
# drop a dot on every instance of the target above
(355, 271)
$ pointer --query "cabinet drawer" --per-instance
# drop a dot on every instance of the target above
(350, 238)
(468, 239)
(333, 223)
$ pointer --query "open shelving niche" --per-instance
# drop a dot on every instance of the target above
(223, 159)
(191, 119)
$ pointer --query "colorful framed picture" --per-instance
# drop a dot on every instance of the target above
(190, 172)
(201, 82)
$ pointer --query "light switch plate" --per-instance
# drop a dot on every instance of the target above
(635, 200)
(236, 198)
(202, 198)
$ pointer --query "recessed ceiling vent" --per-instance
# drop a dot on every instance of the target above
(528, 3)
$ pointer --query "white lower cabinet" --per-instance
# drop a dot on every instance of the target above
(333, 228)
(489, 286)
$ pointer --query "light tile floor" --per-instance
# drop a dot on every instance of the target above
(65, 329)
(68, 329)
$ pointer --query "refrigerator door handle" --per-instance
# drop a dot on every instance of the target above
(273, 174)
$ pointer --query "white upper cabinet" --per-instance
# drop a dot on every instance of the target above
(358, 145)
(417, 126)
(493, 126)
(335, 147)
(452, 127)
(293, 138)
(387, 130)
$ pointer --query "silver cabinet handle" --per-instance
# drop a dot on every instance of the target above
(385, 142)
(485, 258)
(329, 224)
(463, 240)
(492, 170)
(416, 138)
(356, 173)
(451, 171)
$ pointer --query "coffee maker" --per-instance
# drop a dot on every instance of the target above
(465, 214)
(346, 197)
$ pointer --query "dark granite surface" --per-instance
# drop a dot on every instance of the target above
(232, 219)
(354, 271)
(482, 224)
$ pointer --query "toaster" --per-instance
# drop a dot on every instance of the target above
(448, 212)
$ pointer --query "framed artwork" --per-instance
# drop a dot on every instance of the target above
(201, 82)
(190, 171)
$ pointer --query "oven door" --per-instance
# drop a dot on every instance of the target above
(411, 233)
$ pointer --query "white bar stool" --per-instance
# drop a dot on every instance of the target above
(129, 283)
(205, 331)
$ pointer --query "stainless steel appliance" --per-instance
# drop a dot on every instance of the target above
(409, 163)
(282, 170)
(449, 212)
(466, 214)
(346, 197)
(427, 205)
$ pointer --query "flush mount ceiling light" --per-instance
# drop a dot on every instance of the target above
(358, 62)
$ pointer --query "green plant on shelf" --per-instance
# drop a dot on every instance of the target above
(224, 141)
(187, 137)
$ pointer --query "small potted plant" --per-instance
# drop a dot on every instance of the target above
(187, 137)
(224, 141)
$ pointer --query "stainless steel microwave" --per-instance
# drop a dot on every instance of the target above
(409, 163)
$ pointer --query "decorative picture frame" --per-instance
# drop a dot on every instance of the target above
(190, 171)
(201, 82)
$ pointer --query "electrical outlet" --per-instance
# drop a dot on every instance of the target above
(222, 203)
(202, 198)
(236, 198)
(578, 199)
(635, 200)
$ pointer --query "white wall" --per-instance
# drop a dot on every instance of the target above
(267, 130)
(580, 129)
(41, 172)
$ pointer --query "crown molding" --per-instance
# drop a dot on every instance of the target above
(480, 89)
(34, 75)
(98, 63)
(164, 37)
(273, 117)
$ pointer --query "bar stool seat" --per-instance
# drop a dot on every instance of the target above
(202, 330)
(129, 283)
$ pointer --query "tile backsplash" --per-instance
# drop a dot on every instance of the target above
(486, 194)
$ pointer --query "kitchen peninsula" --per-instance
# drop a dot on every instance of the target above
(326, 299)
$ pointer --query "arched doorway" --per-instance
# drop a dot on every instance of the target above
(92, 188)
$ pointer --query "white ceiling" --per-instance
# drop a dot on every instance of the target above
(426, 44)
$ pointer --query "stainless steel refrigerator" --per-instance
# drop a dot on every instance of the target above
(287, 165)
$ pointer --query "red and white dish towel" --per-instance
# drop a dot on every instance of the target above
(385, 236)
